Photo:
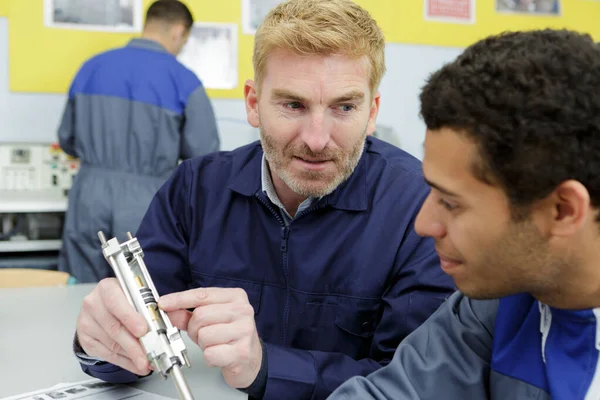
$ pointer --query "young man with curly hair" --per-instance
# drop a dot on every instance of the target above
(512, 155)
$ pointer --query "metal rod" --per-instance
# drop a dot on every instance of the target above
(181, 384)
(102, 238)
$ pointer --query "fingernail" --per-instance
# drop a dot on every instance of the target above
(141, 329)
(162, 302)
(142, 364)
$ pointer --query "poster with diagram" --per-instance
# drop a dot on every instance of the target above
(531, 7)
(253, 12)
(211, 52)
(95, 15)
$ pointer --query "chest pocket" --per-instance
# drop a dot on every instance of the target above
(252, 289)
(359, 322)
(336, 325)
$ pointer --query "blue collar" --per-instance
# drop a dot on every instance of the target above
(351, 195)
(146, 44)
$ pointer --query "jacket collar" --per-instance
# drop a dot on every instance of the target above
(351, 195)
(146, 44)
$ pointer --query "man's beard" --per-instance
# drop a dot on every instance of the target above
(311, 183)
(518, 262)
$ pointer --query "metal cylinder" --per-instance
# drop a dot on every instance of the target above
(102, 238)
(181, 384)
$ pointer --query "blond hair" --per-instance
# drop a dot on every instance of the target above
(321, 27)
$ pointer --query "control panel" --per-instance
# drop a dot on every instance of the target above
(34, 167)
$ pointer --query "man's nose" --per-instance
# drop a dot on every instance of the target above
(428, 223)
(317, 132)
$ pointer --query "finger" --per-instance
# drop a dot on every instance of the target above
(210, 315)
(222, 355)
(199, 297)
(120, 360)
(96, 322)
(117, 305)
(116, 331)
(88, 332)
(214, 335)
(219, 314)
(180, 318)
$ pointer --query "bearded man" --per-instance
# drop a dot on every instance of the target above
(297, 254)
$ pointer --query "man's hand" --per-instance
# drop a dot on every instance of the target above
(108, 327)
(223, 326)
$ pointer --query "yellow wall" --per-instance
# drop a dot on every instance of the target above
(4, 8)
(402, 21)
(45, 59)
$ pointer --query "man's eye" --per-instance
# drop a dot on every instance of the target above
(294, 105)
(346, 107)
(448, 206)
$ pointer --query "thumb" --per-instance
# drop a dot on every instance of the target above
(180, 318)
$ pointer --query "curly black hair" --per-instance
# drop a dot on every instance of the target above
(531, 102)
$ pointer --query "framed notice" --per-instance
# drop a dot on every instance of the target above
(450, 11)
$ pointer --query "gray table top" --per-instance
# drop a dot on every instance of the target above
(36, 331)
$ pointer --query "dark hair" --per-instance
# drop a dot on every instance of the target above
(531, 102)
(171, 12)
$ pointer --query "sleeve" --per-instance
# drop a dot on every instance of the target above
(163, 236)
(66, 129)
(414, 292)
(165, 230)
(199, 131)
(448, 357)
(257, 389)
(101, 369)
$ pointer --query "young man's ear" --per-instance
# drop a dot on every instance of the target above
(251, 99)
(571, 208)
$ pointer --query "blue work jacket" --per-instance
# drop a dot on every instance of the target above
(510, 348)
(131, 115)
(333, 293)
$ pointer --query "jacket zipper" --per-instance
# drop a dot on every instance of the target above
(286, 311)
(283, 247)
(285, 232)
